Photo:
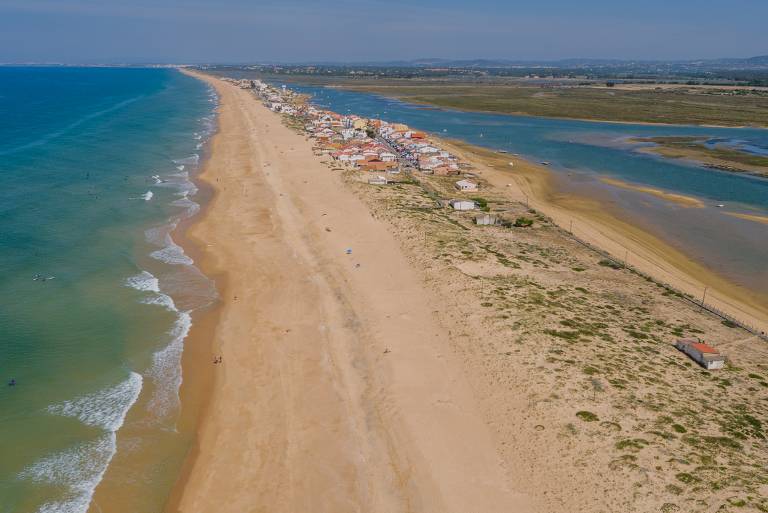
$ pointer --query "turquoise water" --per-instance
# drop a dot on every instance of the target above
(581, 152)
(94, 174)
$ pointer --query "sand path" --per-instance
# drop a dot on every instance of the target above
(338, 391)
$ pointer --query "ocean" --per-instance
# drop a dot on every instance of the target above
(95, 172)
(581, 153)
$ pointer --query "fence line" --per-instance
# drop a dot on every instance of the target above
(701, 304)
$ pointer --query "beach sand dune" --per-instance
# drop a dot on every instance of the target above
(338, 391)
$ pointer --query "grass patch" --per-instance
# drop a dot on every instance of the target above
(587, 416)
(610, 263)
(564, 334)
(686, 478)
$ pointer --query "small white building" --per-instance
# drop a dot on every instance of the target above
(703, 354)
(486, 220)
(466, 186)
(462, 204)
(379, 180)
(387, 157)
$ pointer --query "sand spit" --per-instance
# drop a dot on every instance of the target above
(680, 199)
(444, 366)
(750, 217)
(338, 390)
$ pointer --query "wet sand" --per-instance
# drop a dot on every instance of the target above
(338, 391)
(750, 217)
(680, 199)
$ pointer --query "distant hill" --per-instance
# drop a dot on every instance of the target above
(750, 63)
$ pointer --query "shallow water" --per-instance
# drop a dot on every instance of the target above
(581, 152)
(94, 311)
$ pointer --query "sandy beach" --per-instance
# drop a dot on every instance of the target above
(337, 390)
(383, 354)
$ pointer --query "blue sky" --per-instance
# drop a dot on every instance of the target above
(364, 30)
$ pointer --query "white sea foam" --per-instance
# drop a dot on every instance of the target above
(80, 468)
(192, 159)
(146, 282)
(180, 168)
(172, 254)
(161, 299)
(106, 408)
(146, 196)
(191, 207)
(166, 368)
(159, 234)
(184, 175)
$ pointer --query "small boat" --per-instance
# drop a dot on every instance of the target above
(720, 205)
(545, 163)
(503, 151)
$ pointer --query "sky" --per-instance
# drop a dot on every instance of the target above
(252, 31)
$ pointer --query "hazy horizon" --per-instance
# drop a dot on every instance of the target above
(299, 31)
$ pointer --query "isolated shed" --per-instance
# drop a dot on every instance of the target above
(703, 354)
(486, 220)
(462, 204)
(466, 185)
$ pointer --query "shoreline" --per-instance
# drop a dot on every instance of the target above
(344, 378)
(598, 227)
(340, 422)
(199, 376)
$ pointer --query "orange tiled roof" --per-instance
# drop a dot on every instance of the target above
(704, 348)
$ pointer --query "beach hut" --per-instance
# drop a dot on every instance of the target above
(703, 354)
(462, 204)
(466, 186)
(486, 220)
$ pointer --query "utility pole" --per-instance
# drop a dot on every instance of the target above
(704, 296)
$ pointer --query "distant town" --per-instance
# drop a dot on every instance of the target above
(371, 145)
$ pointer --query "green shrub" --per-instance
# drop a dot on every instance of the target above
(587, 416)
(631, 444)
(610, 263)
(686, 478)
(523, 222)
